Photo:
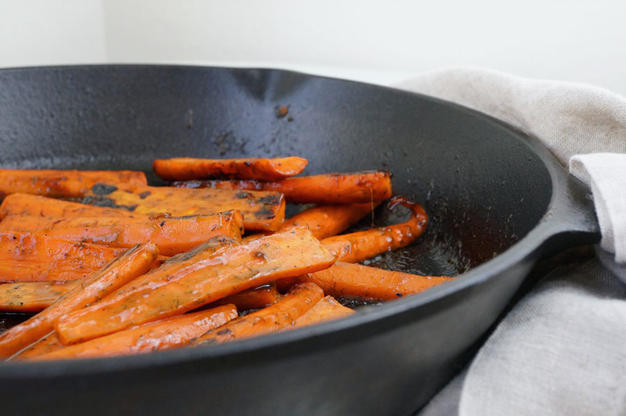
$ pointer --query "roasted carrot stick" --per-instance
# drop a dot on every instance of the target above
(227, 271)
(25, 204)
(32, 296)
(171, 235)
(262, 211)
(166, 334)
(32, 257)
(279, 316)
(328, 220)
(133, 263)
(256, 298)
(330, 188)
(355, 247)
(326, 309)
(64, 183)
(355, 280)
(43, 345)
(187, 168)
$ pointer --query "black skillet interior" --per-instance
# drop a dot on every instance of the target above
(471, 176)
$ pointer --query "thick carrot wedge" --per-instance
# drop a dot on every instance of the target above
(328, 220)
(355, 280)
(25, 204)
(43, 345)
(166, 334)
(133, 263)
(64, 183)
(32, 296)
(256, 298)
(327, 309)
(262, 211)
(187, 168)
(281, 315)
(355, 247)
(227, 271)
(331, 188)
(33, 257)
(171, 235)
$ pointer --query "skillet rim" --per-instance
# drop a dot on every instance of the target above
(374, 320)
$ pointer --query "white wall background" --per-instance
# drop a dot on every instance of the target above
(378, 41)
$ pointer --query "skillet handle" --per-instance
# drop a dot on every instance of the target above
(571, 216)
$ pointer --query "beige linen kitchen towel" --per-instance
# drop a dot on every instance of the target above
(562, 349)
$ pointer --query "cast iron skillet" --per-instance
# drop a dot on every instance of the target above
(497, 200)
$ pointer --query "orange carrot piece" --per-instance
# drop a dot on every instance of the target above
(326, 309)
(25, 204)
(281, 315)
(330, 188)
(131, 264)
(355, 280)
(34, 257)
(328, 220)
(64, 183)
(355, 247)
(32, 296)
(229, 270)
(264, 169)
(171, 235)
(262, 211)
(43, 345)
(161, 335)
(256, 298)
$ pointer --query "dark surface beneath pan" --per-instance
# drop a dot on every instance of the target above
(489, 191)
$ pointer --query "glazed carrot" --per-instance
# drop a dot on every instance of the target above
(166, 334)
(131, 264)
(355, 280)
(43, 345)
(326, 309)
(229, 270)
(355, 247)
(262, 211)
(33, 257)
(330, 188)
(171, 235)
(256, 298)
(25, 204)
(328, 220)
(64, 183)
(279, 316)
(32, 296)
(187, 168)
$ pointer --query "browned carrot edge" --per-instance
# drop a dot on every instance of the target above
(325, 189)
(326, 309)
(371, 283)
(279, 316)
(359, 246)
(154, 336)
(186, 168)
(131, 264)
(64, 183)
(328, 220)
(32, 296)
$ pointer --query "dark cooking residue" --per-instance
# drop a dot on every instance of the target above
(8, 319)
